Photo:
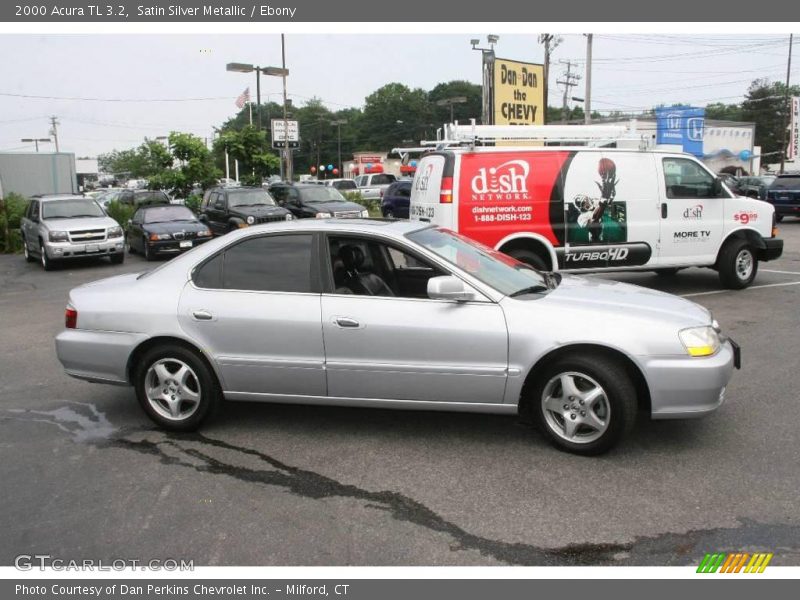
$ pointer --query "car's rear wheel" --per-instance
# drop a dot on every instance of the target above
(737, 264)
(175, 387)
(48, 264)
(27, 252)
(584, 403)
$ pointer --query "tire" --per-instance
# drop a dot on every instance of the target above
(26, 251)
(388, 214)
(778, 218)
(129, 247)
(173, 368)
(667, 272)
(530, 258)
(737, 264)
(117, 258)
(148, 255)
(613, 409)
(48, 264)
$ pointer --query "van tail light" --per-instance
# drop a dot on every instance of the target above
(446, 191)
(70, 318)
(774, 224)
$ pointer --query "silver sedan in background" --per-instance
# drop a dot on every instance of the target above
(394, 315)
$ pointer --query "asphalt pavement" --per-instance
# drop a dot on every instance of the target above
(86, 475)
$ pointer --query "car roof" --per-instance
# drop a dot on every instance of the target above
(397, 228)
(56, 197)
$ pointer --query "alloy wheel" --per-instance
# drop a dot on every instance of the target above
(576, 407)
(172, 389)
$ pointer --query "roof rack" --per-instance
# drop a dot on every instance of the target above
(453, 134)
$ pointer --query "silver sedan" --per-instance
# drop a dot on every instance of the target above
(394, 315)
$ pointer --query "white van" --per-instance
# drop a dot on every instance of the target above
(584, 209)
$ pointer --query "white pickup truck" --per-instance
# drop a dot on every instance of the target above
(371, 186)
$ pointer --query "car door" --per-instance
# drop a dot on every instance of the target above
(692, 213)
(218, 213)
(135, 231)
(255, 308)
(29, 224)
(399, 346)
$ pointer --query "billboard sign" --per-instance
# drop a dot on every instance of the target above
(793, 149)
(518, 93)
(681, 126)
(279, 135)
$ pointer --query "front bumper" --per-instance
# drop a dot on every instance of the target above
(63, 250)
(686, 387)
(773, 250)
(98, 356)
(174, 246)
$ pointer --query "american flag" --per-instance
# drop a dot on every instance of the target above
(243, 98)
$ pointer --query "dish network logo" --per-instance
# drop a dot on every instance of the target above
(508, 181)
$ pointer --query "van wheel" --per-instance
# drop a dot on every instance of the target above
(175, 388)
(670, 272)
(584, 403)
(737, 264)
(529, 258)
(778, 218)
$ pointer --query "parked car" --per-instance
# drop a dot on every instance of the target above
(784, 195)
(412, 317)
(373, 184)
(108, 196)
(754, 186)
(226, 209)
(63, 227)
(589, 209)
(343, 185)
(396, 199)
(728, 179)
(164, 229)
(137, 197)
(315, 201)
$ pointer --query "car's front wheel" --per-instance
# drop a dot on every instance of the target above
(175, 388)
(27, 251)
(148, 253)
(47, 263)
(584, 403)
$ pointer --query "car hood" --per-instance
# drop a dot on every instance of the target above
(258, 211)
(79, 224)
(173, 226)
(335, 206)
(625, 300)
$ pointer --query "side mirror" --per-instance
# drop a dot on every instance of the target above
(448, 287)
(716, 187)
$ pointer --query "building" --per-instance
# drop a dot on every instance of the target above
(32, 173)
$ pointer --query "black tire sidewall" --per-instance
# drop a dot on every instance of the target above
(148, 254)
(727, 265)
(46, 261)
(620, 392)
(209, 396)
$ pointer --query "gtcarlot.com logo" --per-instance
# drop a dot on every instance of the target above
(737, 562)
(28, 562)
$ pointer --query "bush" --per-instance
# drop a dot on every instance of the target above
(373, 206)
(12, 207)
(121, 213)
(193, 203)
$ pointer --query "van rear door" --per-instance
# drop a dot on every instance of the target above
(432, 191)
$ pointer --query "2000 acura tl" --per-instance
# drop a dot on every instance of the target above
(394, 315)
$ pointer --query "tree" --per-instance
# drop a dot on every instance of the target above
(249, 146)
(149, 158)
(463, 112)
(764, 105)
(395, 115)
(195, 165)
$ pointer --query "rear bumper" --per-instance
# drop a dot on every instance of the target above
(773, 249)
(687, 388)
(99, 356)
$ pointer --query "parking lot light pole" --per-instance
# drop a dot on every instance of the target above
(248, 68)
(283, 72)
(36, 141)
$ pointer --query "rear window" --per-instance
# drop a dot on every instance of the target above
(345, 185)
(164, 214)
(150, 197)
(786, 183)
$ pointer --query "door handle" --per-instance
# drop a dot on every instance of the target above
(202, 315)
(663, 210)
(346, 322)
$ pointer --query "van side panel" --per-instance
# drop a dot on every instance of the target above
(425, 191)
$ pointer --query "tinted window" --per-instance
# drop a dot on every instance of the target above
(209, 274)
(320, 194)
(68, 209)
(250, 198)
(382, 179)
(151, 197)
(164, 214)
(686, 179)
(279, 192)
(345, 185)
(786, 183)
(278, 263)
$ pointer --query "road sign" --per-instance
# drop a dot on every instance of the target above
(279, 134)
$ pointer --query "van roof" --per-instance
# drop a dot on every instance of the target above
(496, 149)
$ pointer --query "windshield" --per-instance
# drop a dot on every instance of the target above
(250, 198)
(320, 194)
(68, 209)
(786, 183)
(505, 274)
(168, 213)
(345, 185)
(150, 197)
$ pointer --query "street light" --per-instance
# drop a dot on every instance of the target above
(35, 141)
(339, 123)
(488, 71)
(451, 102)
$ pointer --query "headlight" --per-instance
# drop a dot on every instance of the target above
(154, 237)
(114, 232)
(323, 215)
(251, 220)
(290, 217)
(365, 214)
(58, 236)
(204, 233)
(700, 341)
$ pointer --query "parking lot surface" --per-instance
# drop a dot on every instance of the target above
(86, 475)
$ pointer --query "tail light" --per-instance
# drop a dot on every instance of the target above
(70, 318)
(446, 191)
(774, 225)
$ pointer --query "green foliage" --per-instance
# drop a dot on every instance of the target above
(12, 207)
(250, 147)
(193, 203)
(148, 159)
(764, 105)
(462, 113)
(121, 213)
(395, 113)
(372, 205)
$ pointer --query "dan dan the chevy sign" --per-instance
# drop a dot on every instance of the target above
(518, 93)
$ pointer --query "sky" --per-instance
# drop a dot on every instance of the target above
(111, 91)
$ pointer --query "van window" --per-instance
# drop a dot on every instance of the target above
(685, 178)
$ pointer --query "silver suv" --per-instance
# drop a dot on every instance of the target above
(57, 228)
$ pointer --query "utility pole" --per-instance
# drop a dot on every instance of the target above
(786, 105)
(587, 105)
(339, 123)
(285, 117)
(550, 42)
(570, 81)
(54, 130)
